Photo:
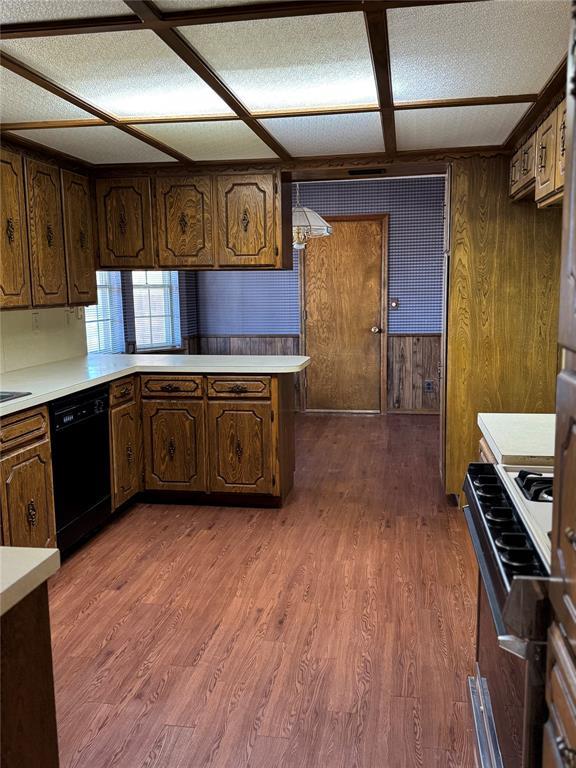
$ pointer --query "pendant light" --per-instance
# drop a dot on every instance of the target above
(306, 223)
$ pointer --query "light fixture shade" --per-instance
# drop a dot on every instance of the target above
(306, 223)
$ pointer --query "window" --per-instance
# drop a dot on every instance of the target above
(105, 320)
(156, 309)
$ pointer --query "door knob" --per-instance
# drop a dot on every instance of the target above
(375, 329)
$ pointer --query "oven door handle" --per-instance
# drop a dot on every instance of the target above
(510, 643)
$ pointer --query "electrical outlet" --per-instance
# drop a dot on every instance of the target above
(428, 385)
(35, 322)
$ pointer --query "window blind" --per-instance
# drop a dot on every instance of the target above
(156, 302)
(105, 320)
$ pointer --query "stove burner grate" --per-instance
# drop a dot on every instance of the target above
(534, 485)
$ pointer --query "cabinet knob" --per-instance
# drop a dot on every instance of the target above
(82, 239)
(170, 388)
(542, 156)
(238, 388)
(183, 222)
(31, 514)
(245, 220)
(10, 229)
(171, 448)
(129, 453)
(239, 450)
(49, 235)
(123, 221)
(125, 390)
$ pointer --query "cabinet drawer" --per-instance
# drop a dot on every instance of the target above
(561, 689)
(21, 428)
(239, 386)
(172, 386)
(123, 390)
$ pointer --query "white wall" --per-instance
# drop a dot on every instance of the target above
(36, 336)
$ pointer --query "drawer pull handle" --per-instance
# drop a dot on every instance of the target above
(570, 534)
(245, 220)
(82, 239)
(123, 221)
(49, 235)
(542, 156)
(171, 448)
(239, 451)
(10, 229)
(129, 454)
(238, 389)
(125, 390)
(525, 154)
(563, 137)
(183, 222)
(567, 754)
(31, 514)
(170, 388)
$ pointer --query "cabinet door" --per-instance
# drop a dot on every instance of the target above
(515, 171)
(241, 452)
(28, 498)
(45, 230)
(174, 445)
(125, 452)
(563, 589)
(247, 221)
(125, 223)
(79, 239)
(561, 138)
(546, 157)
(14, 265)
(184, 208)
(528, 163)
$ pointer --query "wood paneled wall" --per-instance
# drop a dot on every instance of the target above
(502, 320)
(248, 345)
(412, 361)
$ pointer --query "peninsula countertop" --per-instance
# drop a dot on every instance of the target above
(51, 381)
(520, 438)
(22, 569)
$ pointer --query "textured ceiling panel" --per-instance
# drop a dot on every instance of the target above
(291, 63)
(456, 126)
(227, 140)
(504, 47)
(328, 134)
(20, 11)
(22, 101)
(130, 74)
(96, 144)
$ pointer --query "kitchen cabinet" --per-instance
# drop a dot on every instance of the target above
(126, 454)
(125, 235)
(26, 489)
(79, 239)
(14, 264)
(174, 445)
(515, 171)
(241, 450)
(184, 211)
(546, 157)
(46, 235)
(246, 220)
(560, 166)
(523, 169)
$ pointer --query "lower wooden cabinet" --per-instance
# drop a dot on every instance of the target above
(174, 445)
(27, 497)
(241, 452)
(126, 452)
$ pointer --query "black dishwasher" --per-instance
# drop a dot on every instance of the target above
(80, 464)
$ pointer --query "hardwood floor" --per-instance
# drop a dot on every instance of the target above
(336, 632)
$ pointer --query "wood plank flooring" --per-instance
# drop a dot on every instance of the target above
(336, 632)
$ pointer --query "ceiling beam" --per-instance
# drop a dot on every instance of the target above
(48, 85)
(377, 28)
(146, 10)
(474, 101)
(553, 87)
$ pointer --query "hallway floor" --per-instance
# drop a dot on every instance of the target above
(336, 632)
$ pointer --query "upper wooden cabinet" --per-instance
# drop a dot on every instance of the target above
(79, 239)
(184, 208)
(14, 264)
(560, 165)
(523, 169)
(125, 234)
(46, 235)
(546, 157)
(246, 221)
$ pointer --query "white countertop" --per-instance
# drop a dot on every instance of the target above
(22, 569)
(520, 438)
(54, 380)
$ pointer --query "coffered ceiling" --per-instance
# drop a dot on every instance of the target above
(132, 81)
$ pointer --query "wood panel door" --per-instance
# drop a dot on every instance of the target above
(561, 136)
(241, 451)
(246, 216)
(344, 301)
(125, 223)
(174, 445)
(546, 157)
(79, 239)
(46, 235)
(14, 264)
(126, 452)
(27, 497)
(184, 207)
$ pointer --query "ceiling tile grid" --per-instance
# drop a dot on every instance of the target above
(21, 11)
(23, 101)
(128, 74)
(96, 144)
(328, 134)
(444, 127)
(291, 63)
(212, 140)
